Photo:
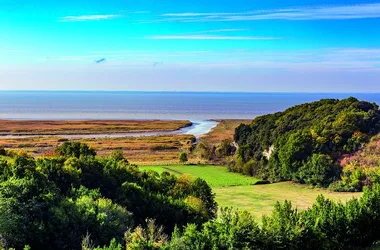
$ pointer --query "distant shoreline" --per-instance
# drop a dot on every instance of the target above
(186, 92)
(128, 105)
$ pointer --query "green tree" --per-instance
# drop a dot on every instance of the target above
(296, 150)
(149, 238)
(183, 157)
(318, 170)
(3, 151)
(118, 155)
(75, 149)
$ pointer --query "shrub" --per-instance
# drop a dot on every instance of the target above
(183, 157)
(75, 149)
(2, 151)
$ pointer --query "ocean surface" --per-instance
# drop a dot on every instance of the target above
(194, 106)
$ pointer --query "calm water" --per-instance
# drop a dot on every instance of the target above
(152, 105)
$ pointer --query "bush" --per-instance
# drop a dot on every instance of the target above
(2, 151)
(182, 157)
(118, 155)
(75, 149)
(319, 170)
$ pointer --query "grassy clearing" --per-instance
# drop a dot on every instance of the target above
(215, 176)
(260, 199)
(238, 191)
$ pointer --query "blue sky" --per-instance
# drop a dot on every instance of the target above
(214, 45)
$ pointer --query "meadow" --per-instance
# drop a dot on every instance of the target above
(239, 191)
(260, 199)
(215, 176)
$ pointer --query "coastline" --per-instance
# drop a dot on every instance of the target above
(160, 146)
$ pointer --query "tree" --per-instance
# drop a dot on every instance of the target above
(183, 157)
(225, 149)
(296, 149)
(318, 170)
(75, 149)
(2, 151)
(149, 238)
(202, 190)
(53, 202)
(205, 150)
(118, 155)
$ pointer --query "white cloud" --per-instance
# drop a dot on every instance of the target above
(89, 18)
(335, 12)
(210, 37)
(195, 14)
(223, 30)
(141, 12)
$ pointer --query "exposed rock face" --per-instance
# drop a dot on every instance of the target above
(268, 153)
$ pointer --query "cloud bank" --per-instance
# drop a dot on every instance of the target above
(337, 12)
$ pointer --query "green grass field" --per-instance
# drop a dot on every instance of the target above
(215, 176)
(238, 191)
(260, 199)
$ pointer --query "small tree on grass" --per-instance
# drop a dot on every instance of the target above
(2, 151)
(183, 157)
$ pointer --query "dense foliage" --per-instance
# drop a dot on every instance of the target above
(53, 202)
(326, 225)
(305, 142)
(68, 202)
(360, 169)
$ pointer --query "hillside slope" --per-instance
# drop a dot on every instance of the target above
(305, 142)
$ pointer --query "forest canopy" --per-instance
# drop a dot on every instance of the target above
(305, 142)
(77, 200)
(54, 202)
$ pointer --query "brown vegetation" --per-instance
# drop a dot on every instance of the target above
(223, 131)
(141, 150)
(13, 127)
(144, 150)
(367, 158)
(217, 146)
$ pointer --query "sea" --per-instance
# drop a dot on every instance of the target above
(124, 105)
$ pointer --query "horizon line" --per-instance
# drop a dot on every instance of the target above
(184, 91)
